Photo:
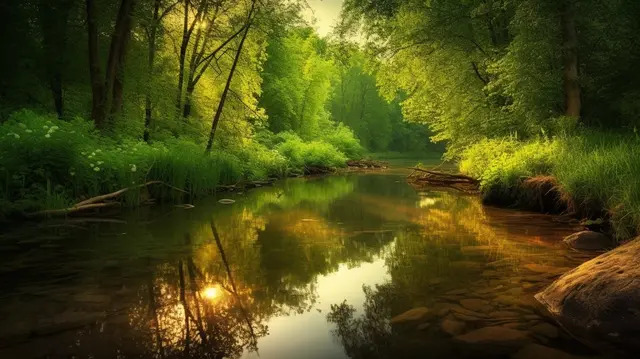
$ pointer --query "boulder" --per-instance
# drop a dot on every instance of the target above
(599, 300)
(410, 315)
(588, 241)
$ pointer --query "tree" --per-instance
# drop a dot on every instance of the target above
(107, 91)
(151, 31)
(225, 91)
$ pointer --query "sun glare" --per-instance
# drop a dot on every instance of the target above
(211, 292)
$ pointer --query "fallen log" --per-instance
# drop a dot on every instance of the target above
(421, 177)
(367, 164)
(445, 174)
(98, 201)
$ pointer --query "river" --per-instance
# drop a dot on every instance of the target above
(307, 268)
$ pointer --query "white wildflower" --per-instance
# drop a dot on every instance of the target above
(28, 130)
(91, 165)
(97, 169)
(47, 135)
(16, 135)
(22, 125)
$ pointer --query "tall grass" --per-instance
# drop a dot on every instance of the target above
(595, 169)
(46, 163)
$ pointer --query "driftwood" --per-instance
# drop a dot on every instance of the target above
(98, 201)
(367, 164)
(421, 178)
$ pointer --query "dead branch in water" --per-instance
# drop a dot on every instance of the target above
(98, 201)
(446, 175)
(421, 178)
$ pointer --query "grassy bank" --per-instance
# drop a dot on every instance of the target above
(594, 173)
(46, 163)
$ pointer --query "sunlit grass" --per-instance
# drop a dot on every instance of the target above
(596, 170)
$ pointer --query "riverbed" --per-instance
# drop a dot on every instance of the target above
(355, 265)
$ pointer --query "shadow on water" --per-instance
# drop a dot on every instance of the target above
(310, 268)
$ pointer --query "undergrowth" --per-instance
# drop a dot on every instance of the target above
(46, 163)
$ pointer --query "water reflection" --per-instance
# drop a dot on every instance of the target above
(259, 277)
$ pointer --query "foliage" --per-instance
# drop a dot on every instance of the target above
(302, 154)
(43, 158)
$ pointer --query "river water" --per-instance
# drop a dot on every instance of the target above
(308, 268)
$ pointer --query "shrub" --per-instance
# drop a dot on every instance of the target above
(342, 138)
(302, 154)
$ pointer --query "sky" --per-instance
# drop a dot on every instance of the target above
(326, 12)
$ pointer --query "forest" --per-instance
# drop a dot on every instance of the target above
(97, 96)
(101, 95)
(230, 179)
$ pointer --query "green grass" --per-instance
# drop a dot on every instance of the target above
(46, 163)
(595, 169)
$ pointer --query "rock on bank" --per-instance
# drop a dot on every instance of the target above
(600, 300)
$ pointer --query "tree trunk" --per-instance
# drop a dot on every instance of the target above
(115, 60)
(54, 20)
(102, 89)
(223, 96)
(151, 55)
(187, 100)
(199, 65)
(95, 73)
(570, 57)
(183, 54)
(118, 81)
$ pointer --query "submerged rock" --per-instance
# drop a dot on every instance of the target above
(546, 269)
(546, 329)
(410, 315)
(600, 299)
(498, 336)
(477, 305)
(537, 351)
(588, 240)
(452, 326)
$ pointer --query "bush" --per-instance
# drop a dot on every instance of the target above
(342, 138)
(302, 154)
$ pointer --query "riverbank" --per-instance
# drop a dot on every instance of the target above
(592, 175)
(49, 164)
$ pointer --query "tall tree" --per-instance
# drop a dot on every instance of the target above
(151, 31)
(54, 22)
(225, 91)
(189, 25)
(570, 56)
(106, 89)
